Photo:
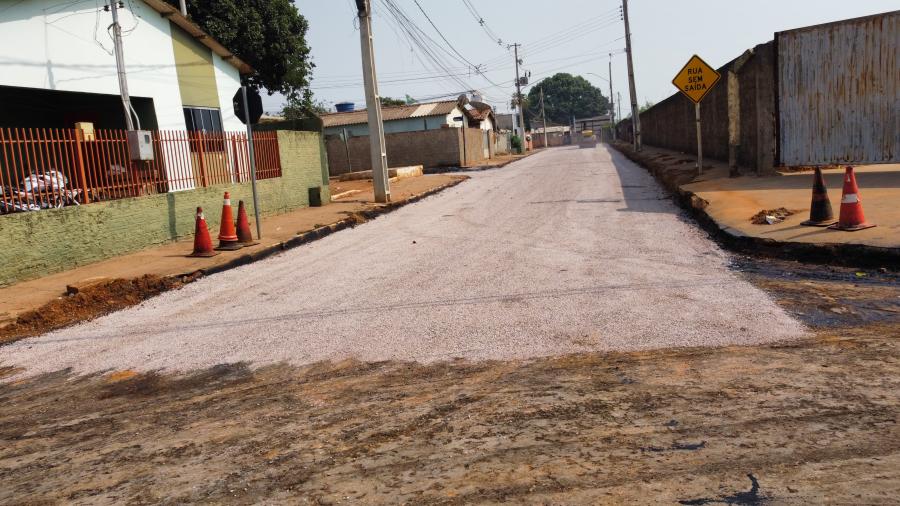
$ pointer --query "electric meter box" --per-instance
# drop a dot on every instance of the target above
(140, 145)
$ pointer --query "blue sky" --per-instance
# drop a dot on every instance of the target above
(572, 36)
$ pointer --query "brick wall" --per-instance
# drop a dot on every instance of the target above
(670, 124)
(430, 148)
(37, 243)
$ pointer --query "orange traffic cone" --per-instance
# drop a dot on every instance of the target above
(202, 241)
(820, 213)
(228, 239)
(852, 217)
(244, 235)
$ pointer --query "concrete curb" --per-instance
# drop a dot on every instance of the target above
(318, 233)
(479, 168)
(848, 255)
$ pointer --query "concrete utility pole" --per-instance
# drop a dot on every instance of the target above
(183, 8)
(619, 104)
(544, 118)
(612, 106)
(373, 105)
(120, 66)
(635, 112)
(519, 95)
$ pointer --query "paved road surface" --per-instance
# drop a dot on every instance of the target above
(565, 251)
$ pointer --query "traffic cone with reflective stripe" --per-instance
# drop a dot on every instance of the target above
(228, 239)
(202, 241)
(244, 235)
(852, 217)
(820, 213)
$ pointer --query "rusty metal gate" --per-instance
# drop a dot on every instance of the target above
(839, 92)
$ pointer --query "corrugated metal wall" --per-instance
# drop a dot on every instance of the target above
(839, 92)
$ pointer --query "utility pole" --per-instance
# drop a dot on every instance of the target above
(619, 104)
(635, 113)
(373, 105)
(120, 65)
(544, 118)
(612, 106)
(183, 7)
(519, 95)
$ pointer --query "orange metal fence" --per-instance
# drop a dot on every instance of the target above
(48, 168)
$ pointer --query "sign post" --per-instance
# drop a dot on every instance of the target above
(695, 80)
(248, 109)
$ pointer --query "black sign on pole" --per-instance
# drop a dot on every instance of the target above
(254, 105)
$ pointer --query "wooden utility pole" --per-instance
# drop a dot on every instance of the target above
(373, 105)
(544, 118)
(635, 112)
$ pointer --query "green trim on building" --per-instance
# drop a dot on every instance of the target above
(196, 73)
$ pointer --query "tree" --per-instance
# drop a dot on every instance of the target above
(390, 102)
(300, 108)
(565, 96)
(270, 35)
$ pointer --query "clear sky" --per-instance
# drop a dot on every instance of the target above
(572, 36)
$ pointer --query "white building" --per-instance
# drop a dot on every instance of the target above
(58, 67)
(412, 118)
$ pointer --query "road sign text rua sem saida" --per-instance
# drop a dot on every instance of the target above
(696, 78)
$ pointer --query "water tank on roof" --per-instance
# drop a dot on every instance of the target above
(344, 106)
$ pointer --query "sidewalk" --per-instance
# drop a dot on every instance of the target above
(729, 203)
(279, 232)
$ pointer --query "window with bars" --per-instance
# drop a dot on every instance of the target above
(205, 120)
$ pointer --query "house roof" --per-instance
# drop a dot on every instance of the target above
(478, 110)
(174, 15)
(360, 116)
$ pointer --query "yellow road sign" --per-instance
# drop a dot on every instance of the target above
(696, 79)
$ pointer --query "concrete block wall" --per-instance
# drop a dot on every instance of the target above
(38, 243)
(670, 124)
(474, 145)
(430, 148)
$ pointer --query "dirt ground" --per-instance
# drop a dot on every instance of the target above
(799, 423)
(88, 303)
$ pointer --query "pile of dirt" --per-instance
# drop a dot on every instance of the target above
(779, 214)
(89, 303)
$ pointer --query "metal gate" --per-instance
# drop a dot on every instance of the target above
(839, 92)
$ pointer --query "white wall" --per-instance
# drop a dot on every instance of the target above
(228, 80)
(53, 44)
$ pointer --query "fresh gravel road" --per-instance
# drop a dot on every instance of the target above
(569, 250)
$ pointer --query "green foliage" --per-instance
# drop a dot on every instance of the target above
(270, 35)
(565, 96)
(516, 142)
(299, 108)
(390, 102)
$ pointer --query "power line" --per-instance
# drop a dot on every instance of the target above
(448, 42)
(480, 20)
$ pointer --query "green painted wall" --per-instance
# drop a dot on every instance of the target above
(196, 74)
(38, 243)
